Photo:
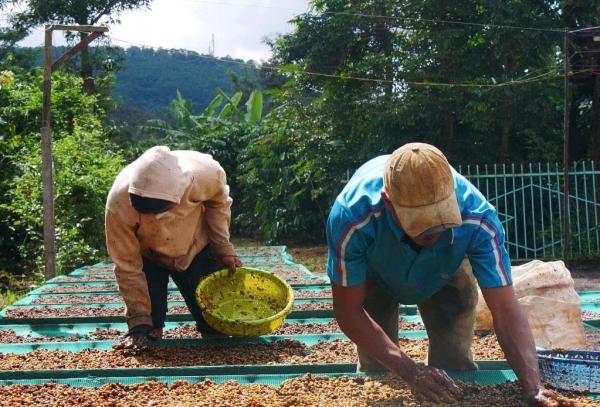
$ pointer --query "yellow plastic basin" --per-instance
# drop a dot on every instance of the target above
(252, 303)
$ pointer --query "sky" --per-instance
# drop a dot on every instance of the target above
(237, 26)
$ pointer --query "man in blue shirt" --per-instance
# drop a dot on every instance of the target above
(408, 229)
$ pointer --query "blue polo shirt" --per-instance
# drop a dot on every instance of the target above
(365, 240)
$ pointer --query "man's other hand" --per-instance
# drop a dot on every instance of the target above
(549, 398)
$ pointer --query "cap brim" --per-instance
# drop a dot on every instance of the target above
(417, 220)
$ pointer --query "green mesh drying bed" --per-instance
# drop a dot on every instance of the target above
(274, 267)
(68, 329)
(270, 379)
(95, 287)
(185, 316)
(110, 287)
(309, 340)
(244, 375)
(589, 296)
(74, 329)
(592, 323)
(590, 306)
(270, 258)
(115, 298)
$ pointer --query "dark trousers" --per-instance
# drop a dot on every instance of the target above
(187, 281)
(448, 316)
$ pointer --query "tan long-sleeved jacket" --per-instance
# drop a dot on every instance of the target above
(197, 183)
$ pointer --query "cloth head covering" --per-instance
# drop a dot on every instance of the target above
(418, 180)
(158, 174)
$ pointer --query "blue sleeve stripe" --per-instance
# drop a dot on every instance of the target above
(491, 229)
(345, 239)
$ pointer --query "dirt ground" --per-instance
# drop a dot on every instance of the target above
(586, 277)
(586, 280)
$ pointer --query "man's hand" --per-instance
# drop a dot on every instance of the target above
(231, 262)
(549, 398)
(136, 336)
(155, 334)
(432, 384)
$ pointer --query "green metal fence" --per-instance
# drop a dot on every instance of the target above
(529, 201)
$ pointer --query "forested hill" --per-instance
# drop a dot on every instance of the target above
(148, 79)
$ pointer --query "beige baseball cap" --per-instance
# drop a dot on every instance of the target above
(418, 180)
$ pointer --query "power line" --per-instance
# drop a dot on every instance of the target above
(551, 74)
(543, 76)
(484, 25)
(387, 18)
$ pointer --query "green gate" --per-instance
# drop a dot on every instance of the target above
(529, 201)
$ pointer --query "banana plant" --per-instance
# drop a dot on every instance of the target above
(188, 126)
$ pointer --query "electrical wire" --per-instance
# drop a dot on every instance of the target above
(544, 76)
(550, 74)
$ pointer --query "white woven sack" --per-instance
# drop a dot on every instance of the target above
(546, 292)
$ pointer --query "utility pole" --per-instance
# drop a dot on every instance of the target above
(46, 134)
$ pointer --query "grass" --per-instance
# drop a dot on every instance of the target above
(9, 298)
(13, 287)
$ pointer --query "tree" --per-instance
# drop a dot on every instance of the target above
(354, 80)
(94, 12)
(9, 38)
(340, 57)
(481, 77)
(465, 75)
(581, 18)
(85, 167)
(289, 175)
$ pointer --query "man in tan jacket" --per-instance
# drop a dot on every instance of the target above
(167, 215)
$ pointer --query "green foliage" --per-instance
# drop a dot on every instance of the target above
(97, 12)
(354, 80)
(25, 16)
(19, 102)
(84, 169)
(145, 81)
(287, 177)
(9, 37)
(342, 63)
(6, 78)
(83, 174)
(387, 73)
(193, 130)
(492, 87)
(276, 166)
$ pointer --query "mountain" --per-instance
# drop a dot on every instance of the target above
(149, 79)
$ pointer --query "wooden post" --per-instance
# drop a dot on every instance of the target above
(47, 183)
(46, 136)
